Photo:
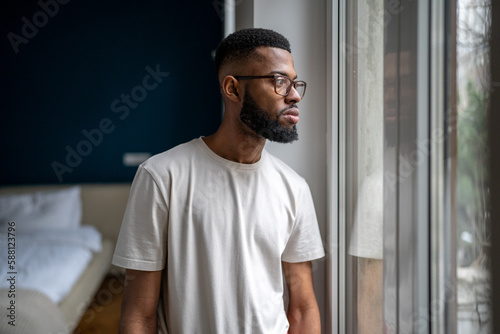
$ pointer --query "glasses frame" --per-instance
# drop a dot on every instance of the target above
(274, 76)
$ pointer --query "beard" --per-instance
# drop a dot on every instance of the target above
(261, 122)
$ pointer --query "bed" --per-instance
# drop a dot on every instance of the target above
(67, 232)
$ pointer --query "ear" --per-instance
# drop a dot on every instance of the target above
(230, 88)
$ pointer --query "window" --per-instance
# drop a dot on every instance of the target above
(413, 184)
(364, 59)
(471, 207)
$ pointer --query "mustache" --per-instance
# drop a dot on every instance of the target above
(287, 108)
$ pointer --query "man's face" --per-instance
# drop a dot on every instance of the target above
(266, 123)
(266, 113)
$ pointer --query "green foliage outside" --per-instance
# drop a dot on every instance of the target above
(472, 178)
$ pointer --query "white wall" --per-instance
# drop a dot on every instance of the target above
(304, 24)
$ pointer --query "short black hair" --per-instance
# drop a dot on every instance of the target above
(241, 45)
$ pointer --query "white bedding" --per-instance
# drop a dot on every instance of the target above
(50, 260)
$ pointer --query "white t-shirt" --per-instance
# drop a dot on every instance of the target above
(220, 229)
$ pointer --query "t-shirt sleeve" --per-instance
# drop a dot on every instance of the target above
(305, 243)
(142, 242)
(368, 228)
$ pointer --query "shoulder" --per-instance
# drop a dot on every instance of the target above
(287, 173)
(174, 158)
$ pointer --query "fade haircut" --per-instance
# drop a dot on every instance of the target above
(241, 45)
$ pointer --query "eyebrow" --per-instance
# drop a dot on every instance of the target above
(282, 73)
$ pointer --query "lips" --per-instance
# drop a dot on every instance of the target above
(292, 115)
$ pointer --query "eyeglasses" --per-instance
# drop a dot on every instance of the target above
(282, 83)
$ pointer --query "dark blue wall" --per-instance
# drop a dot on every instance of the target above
(70, 80)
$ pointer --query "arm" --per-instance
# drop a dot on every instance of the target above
(139, 302)
(370, 288)
(303, 311)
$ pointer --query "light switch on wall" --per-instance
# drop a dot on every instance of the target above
(132, 159)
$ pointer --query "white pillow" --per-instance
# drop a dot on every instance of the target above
(40, 210)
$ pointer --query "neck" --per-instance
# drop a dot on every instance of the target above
(236, 144)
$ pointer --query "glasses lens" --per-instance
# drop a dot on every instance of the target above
(300, 87)
(282, 84)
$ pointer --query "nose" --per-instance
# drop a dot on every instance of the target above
(293, 96)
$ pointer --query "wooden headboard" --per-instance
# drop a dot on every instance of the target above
(103, 204)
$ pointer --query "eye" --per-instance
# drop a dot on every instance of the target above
(280, 81)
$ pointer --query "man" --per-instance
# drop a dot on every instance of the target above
(212, 224)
